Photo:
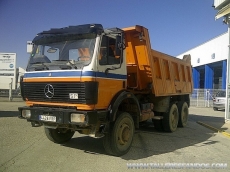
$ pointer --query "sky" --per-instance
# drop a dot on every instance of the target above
(175, 26)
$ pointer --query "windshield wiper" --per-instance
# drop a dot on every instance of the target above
(65, 67)
(72, 64)
(69, 61)
(39, 68)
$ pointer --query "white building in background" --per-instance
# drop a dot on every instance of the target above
(8, 71)
(209, 61)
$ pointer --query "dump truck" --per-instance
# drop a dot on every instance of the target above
(103, 83)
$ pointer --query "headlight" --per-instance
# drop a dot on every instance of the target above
(26, 113)
(76, 117)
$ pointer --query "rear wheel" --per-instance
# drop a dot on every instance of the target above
(183, 114)
(158, 125)
(170, 120)
(58, 135)
(119, 139)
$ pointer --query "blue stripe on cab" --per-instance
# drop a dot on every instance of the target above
(74, 74)
(110, 75)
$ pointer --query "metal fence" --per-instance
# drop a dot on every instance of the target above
(14, 94)
(203, 97)
(11, 93)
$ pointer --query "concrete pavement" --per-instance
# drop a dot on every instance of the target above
(24, 148)
(207, 117)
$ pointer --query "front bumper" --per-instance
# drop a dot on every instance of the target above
(219, 105)
(63, 115)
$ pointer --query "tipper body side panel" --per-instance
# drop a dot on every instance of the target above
(150, 70)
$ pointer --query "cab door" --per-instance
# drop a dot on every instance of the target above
(111, 72)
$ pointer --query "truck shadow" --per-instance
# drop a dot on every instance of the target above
(9, 113)
(87, 144)
(148, 141)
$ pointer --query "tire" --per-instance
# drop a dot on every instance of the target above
(57, 136)
(158, 125)
(107, 141)
(183, 114)
(119, 139)
(215, 109)
(170, 119)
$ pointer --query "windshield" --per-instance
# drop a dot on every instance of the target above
(221, 94)
(71, 54)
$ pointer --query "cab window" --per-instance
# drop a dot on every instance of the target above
(107, 52)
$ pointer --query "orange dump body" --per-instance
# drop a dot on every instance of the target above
(150, 70)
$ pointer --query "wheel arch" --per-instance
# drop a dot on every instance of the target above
(184, 98)
(116, 104)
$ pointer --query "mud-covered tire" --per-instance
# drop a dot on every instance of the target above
(107, 140)
(183, 114)
(170, 119)
(119, 139)
(57, 136)
(158, 125)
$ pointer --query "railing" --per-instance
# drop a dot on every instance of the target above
(14, 94)
(203, 97)
(10, 93)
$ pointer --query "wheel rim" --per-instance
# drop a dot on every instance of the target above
(124, 134)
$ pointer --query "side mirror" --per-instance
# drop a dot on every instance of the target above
(118, 46)
(30, 46)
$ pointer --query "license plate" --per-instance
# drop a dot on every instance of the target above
(47, 118)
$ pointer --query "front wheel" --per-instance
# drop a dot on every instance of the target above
(58, 135)
(120, 135)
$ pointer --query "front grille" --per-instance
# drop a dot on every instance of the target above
(36, 92)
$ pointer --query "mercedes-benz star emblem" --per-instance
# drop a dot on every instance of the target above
(49, 91)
